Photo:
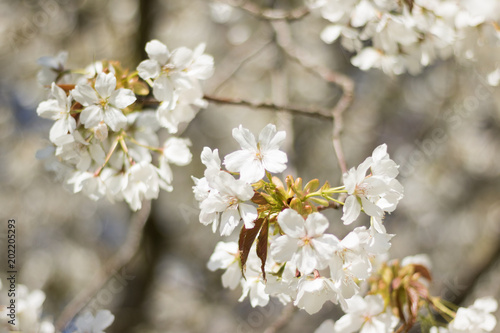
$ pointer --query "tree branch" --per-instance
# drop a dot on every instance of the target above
(114, 264)
(284, 40)
(269, 14)
(315, 113)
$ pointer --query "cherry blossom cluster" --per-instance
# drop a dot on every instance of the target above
(284, 248)
(107, 121)
(405, 36)
(398, 297)
(28, 315)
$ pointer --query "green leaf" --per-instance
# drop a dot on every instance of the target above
(311, 186)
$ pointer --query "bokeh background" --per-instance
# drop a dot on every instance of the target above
(442, 127)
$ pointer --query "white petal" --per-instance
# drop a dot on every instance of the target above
(181, 57)
(85, 95)
(245, 138)
(149, 69)
(105, 84)
(235, 161)
(115, 119)
(158, 51)
(62, 127)
(283, 248)
(292, 223)
(122, 98)
(176, 151)
(275, 161)
(49, 109)
(229, 221)
(59, 94)
(252, 171)
(351, 209)
(305, 259)
(248, 214)
(163, 89)
(91, 116)
(231, 278)
(316, 224)
(331, 33)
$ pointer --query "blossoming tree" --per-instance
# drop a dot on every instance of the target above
(116, 132)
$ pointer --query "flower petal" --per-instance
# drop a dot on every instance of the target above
(105, 84)
(122, 98)
(245, 138)
(163, 90)
(292, 223)
(351, 209)
(157, 51)
(85, 95)
(91, 116)
(148, 69)
(115, 119)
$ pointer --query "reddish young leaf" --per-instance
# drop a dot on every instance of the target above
(262, 246)
(413, 304)
(247, 237)
(423, 271)
(259, 199)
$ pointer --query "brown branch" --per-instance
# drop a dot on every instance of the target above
(269, 14)
(316, 113)
(110, 268)
(284, 40)
(282, 320)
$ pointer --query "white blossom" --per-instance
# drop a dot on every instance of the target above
(226, 256)
(477, 318)
(366, 315)
(52, 67)
(304, 243)
(257, 156)
(313, 293)
(58, 109)
(103, 103)
(376, 193)
(229, 201)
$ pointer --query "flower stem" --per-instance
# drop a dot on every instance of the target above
(160, 150)
(111, 151)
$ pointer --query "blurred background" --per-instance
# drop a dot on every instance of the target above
(442, 127)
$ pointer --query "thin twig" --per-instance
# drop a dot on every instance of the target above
(333, 205)
(344, 82)
(223, 75)
(114, 264)
(268, 13)
(315, 113)
(282, 320)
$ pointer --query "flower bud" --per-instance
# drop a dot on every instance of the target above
(101, 131)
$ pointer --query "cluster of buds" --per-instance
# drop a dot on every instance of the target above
(105, 135)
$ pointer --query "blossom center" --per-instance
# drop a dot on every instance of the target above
(362, 189)
(233, 201)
